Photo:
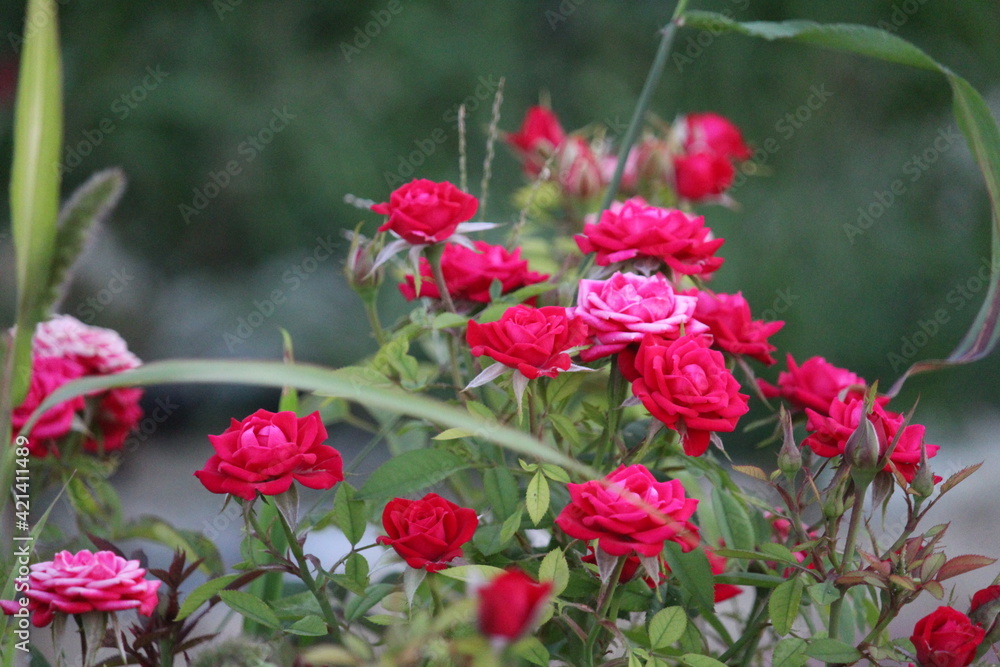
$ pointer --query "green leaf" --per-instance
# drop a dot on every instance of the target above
(974, 120)
(783, 605)
(449, 320)
(251, 607)
(493, 539)
(694, 574)
(832, 650)
(453, 434)
(357, 387)
(35, 177)
(667, 627)
(471, 573)
(733, 520)
(532, 650)
(778, 552)
(88, 207)
(554, 568)
(555, 473)
(696, 660)
(350, 513)
(202, 594)
(412, 471)
(357, 606)
(501, 491)
(824, 592)
(309, 626)
(789, 652)
(537, 497)
(566, 427)
(355, 577)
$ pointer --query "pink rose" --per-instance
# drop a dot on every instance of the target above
(47, 375)
(533, 341)
(814, 384)
(702, 175)
(629, 511)
(946, 638)
(267, 451)
(510, 605)
(712, 133)
(830, 432)
(634, 230)
(733, 330)
(468, 274)
(687, 386)
(422, 211)
(620, 311)
(538, 138)
(429, 532)
(84, 582)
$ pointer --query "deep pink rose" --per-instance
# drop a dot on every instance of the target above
(733, 329)
(533, 341)
(578, 169)
(423, 211)
(83, 582)
(712, 133)
(538, 138)
(702, 175)
(47, 375)
(629, 511)
(687, 386)
(814, 384)
(100, 351)
(267, 451)
(635, 230)
(829, 433)
(620, 311)
(468, 274)
(510, 605)
(946, 638)
(429, 532)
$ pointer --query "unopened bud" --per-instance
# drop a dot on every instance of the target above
(863, 453)
(358, 269)
(923, 481)
(790, 456)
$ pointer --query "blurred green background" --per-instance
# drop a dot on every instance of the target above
(303, 107)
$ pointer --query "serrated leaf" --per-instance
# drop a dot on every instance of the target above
(783, 605)
(349, 513)
(832, 650)
(733, 520)
(667, 627)
(935, 589)
(566, 427)
(537, 498)
(554, 568)
(412, 471)
(501, 491)
(251, 607)
(789, 652)
(958, 477)
(449, 320)
(308, 626)
(962, 564)
(694, 573)
(823, 593)
(357, 606)
(492, 539)
(202, 594)
(532, 650)
(752, 471)
(696, 660)
(778, 552)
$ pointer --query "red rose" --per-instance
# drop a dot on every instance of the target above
(830, 432)
(620, 311)
(85, 582)
(710, 132)
(538, 138)
(629, 511)
(733, 330)
(814, 384)
(423, 211)
(687, 386)
(533, 341)
(702, 175)
(468, 274)
(946, 638)
(429, 532)
(634, 230)
(267, 451)
(510, 604)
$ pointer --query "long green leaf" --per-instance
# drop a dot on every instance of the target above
(971, 113)
(313, 378)
(34, 183)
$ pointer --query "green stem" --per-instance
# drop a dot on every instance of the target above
(849, 546)
(434, 254)
(604, 597)
(309, 581)
(617, 388)
(373, 320)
